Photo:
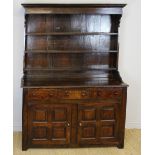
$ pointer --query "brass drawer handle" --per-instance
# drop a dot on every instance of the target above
(33, 94)
(116, 93)
(68, 124)
(51, 94)
(84, 93)
(66, 93)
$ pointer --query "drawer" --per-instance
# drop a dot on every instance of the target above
(72, 93)
(38, 94)
(109, 93)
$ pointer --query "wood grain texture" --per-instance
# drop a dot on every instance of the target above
(132, 147)
(73, 8)
(100, 117)
(71, 42)
(73, 93)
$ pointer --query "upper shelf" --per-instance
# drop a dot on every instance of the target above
(71, 33)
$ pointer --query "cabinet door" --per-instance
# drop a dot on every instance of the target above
(98, 123)
(49, 124)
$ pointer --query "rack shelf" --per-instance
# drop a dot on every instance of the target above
(70, 33)
(71, 51)
(67, 69)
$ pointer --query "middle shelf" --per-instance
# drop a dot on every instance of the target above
(70, 33)
(74, 61)
(71, 51)
(70, 42)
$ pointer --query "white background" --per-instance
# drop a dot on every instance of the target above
(129, 58)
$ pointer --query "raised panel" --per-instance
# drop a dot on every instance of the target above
(89, 132)
(40, 115)
(59, 114)
(39, 133)
(89, 114)
(59, 133)
(107, 131)
(107, 113)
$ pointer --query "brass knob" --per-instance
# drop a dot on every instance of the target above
(80, 124)
(68, 124)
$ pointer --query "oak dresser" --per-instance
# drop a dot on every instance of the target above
(73, 94)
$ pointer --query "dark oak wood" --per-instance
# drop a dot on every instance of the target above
(73, 94)
(73, 8)
(67, 51)
(98, 122)
(49, 124)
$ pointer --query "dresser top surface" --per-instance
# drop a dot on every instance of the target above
(107, 80)
(61, 83)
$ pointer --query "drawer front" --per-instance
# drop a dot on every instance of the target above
(72, 93)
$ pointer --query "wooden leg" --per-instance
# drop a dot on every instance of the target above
(24, 148)
(120, 146)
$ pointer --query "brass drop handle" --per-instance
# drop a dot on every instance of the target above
(66, 93)
(80, 124)
(84, 93)
(68, 124)
(33, 94)
(51, 94)
(115, 93)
